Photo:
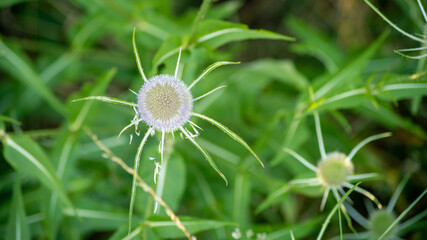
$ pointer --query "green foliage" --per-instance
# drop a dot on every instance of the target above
(68, 68)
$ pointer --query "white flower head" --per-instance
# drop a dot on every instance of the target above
(236, 233)
(335, 170)
(165, 103)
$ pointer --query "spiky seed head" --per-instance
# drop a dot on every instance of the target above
(334, 169)
(165, 103)
(379, 222)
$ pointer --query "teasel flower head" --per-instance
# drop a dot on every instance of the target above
(165, 104)
(385, 224)
(335, 171)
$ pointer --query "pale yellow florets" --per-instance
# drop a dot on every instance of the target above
(334, 169)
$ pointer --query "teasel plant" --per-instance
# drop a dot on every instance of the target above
(165, 104)
(421, 38)
(334, 172)
(384, 224)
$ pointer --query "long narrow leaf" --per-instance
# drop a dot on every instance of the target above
(230, 133)
(328, 219)
(209, 69)
(215, 33)
(63, 155)
(134, 183)
(402, 215)
(30, 78)
(18, 226)
(205, 154)
(25, 155)
(107, 99)
(138, 61)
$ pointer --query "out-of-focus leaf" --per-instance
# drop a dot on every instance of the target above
(100, 219)
(169, 48)
(241, 201)
(328, 86)
(355, 97)
(8, 3)
(64, 152)
(79, 114)
(281, 193)
(300, 230)
(388, 118)
(24, 73)
(337, 205)
(316, 44)
(175, 181)
(18, 226)
(281, 70)
(215, 33)
(23, 154)
(165, 228)
(223, 10)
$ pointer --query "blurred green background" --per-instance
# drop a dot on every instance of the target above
(54, 51)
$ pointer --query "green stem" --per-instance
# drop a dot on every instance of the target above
(161, 181)
(200, 15)
(420, 66)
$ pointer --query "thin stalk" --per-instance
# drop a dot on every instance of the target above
(328, 219)
(200, 15)
(319, 135)
(402, 215)
(141, 183)
(166, 151)
(134, 181)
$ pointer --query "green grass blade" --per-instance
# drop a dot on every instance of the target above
(25, 155)
(362, 177)
(208, 93)
(138, 61)
(319, 135)
(199, 17)
(215, 33)
(27, 76)
(408, 223)
(397, 192)
(274, 197)
(9, 119)
(9, 3)
(402, 215)
(241, 201)
(18, 227)
(166, 229)
(63, 155)
(315, 43)
(209, 69)
(328, 219)
(229, 133)
(391, 23)
(134, 182)
(346, 73)
(301, 159)
(99, 88)
(106, 99)
(205, 154)
(169, 47)
(366, 141)
(409, 56)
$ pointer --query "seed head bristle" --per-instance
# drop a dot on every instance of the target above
(165, 103)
